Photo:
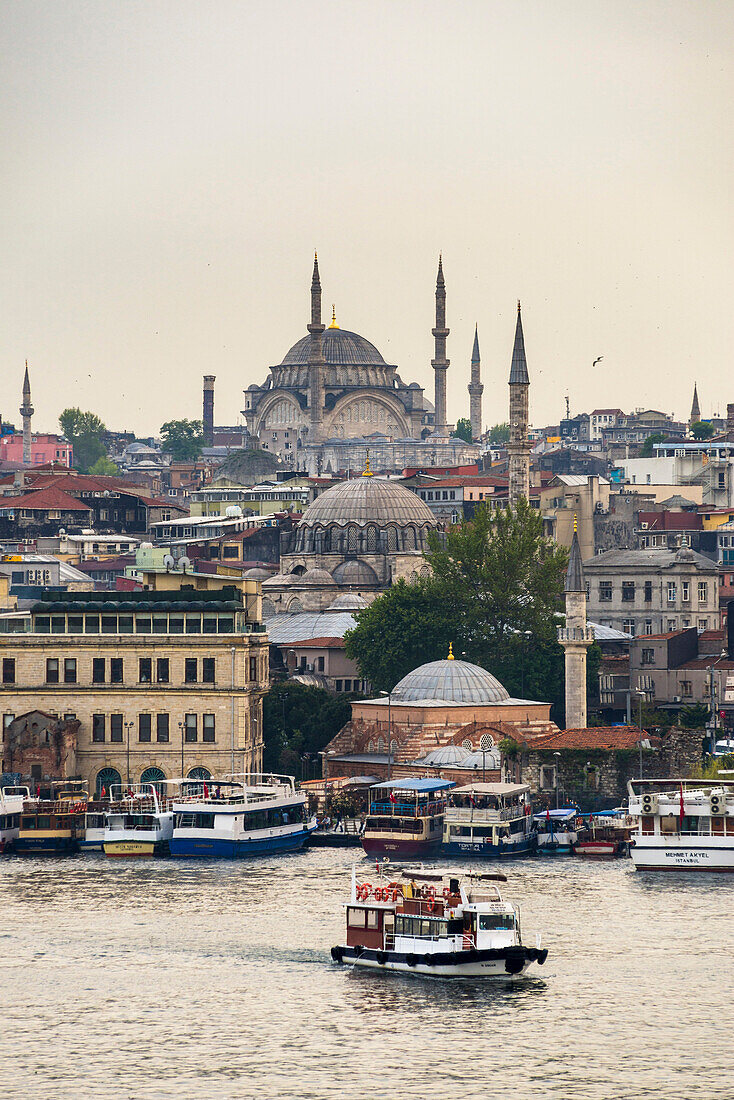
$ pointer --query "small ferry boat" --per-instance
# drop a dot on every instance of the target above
(683, 824)
(490, 820)
(240, 816)
(12, 800)
(557, 832)
(140, 824)
(406, 817)
(606, 835)
(53, 822)
(443, 923)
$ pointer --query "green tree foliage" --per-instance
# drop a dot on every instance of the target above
(495, 591)
(300, 720)
(105, 466)
(84, 431)
(463, 429)
(647, 446)
(702, 430)
(183, 439)
(694, 717)
(500, 434)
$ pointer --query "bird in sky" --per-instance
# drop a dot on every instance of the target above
(597, 360)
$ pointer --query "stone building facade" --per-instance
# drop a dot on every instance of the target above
(160, 683)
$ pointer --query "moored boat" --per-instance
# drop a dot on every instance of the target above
(443, 923)
(52, 823)
(557, 833)
(683, 824)
(12, 801)
(140, 825)
(406, 817)
(490, 820)
(606, 836)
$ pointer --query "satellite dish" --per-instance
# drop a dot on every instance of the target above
(168, 562)
(185, 563)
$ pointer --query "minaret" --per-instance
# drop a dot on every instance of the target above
(440, 363)
(518, 447)
(575, 637)
(208, 410)
(26, 411)
(695, 410)
(315, 360)
(476, 389)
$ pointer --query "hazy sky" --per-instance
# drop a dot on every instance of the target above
(169, 167)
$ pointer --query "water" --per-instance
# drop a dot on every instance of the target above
(213, 980)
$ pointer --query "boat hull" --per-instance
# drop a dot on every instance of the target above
(671, 855)
(526, 847)
(224, 848)
(505, 963)
(599, 849)
(135, 849)
(407, 849)
(46, 845)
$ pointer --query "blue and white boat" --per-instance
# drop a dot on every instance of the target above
(240, 816)
(557, 830)
(492, 820)
(12, 801)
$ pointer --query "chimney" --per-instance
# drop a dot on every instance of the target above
(730, 418)
(208, 415)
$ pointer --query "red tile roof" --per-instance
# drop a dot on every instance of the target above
(45, 499)
(594, 737)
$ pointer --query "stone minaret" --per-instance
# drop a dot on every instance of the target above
(575, 637)
(519, 446)
(26, 411)
(440, 363)
(208, 410)
(476, 389)
(695, 410)
(315, 361)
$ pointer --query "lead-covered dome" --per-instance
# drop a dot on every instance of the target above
(339, 347)
(365, 500)
(450, 681)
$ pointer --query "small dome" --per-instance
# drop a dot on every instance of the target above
(315, 577)
(339, 347)
(366, 500)
(348, 601)
(451, 682)
(257, 573)
(277, 580)
(355, 572)
(492, 758)
(446, 756)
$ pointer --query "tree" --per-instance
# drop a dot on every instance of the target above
(299, 721)
(495, 592)
(463, 430)
(702, 430)
(500, 434)
(183, 439)
(694, 716)
(105, 466)
(84, 431)
(647, 446)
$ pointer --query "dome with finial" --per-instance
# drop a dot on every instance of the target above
(339, 347)
(368, 500)
(449, 681)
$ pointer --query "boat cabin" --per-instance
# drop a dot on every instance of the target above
(406, 816)
(490, 819)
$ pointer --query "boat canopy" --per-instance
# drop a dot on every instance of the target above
(493, 788)
(564, 814)
(420, 785)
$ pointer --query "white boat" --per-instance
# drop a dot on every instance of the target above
(490, 820)
(683, 824)
(12, 800)
(95, 821)
(442, 923)
(240, 816)
(557, 832)
(141, 825)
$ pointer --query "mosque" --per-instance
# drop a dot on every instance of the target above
(333, 397)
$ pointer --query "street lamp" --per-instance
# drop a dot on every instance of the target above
(640, 696)
(558, 760)
(525, 635)
(128, 727)
(713, 696)
(389, 731)
(325, 760)
(182, 727)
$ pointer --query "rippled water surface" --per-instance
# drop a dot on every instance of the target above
(176, 979)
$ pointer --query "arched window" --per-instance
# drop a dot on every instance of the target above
(199, 773)
(352, 539)
(466, 744)
(295, 605)
(107, 778)
(393, 747)
(486, 742)
(155, 776)
(380, 744)
(370, 746)
(268, 609)
(371, 539)
(392, 538)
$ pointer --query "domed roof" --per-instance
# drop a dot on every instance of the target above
(348, 601)
(446, 756)
(339, 347)
(257, 573)
(315, 576)
(491, 758)
(450, 681)
(366, 500)
(355, 571)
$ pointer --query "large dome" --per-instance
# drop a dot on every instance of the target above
(450, 681)
(366, 500)
(339, 347)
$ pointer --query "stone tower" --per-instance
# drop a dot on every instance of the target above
(476, 389)
(26, 411)
(315, 361)
(518, 447)
(575, 637)
(695, 410)
(440, 363)
(208, 410)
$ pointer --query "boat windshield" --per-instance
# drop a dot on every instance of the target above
(492, 921)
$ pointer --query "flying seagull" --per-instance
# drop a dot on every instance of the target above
(598, 360)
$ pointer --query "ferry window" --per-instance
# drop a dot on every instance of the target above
(208, 665)
(116, 670)
(70, 670)
(43, 822)
(190, 673)
(116, 727)
(162, 727)
(98, 670)
(162, 670)
(208, 728)
(8, 670)
(203, 821)
(490, 921)
(144, 727)
(356, 918)
(425, 926)
(191, 727)
(145, 670)
(373, 918)
(52, 670)
(98, 727)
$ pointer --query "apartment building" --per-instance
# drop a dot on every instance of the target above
(155, 685)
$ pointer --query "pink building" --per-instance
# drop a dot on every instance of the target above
(44, 448)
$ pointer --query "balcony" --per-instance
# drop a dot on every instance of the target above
(584, 635)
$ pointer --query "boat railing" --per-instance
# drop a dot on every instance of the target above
(490, 816)
(407, 809)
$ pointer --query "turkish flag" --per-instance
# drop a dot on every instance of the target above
(682, 807)
(547, 813)
(206, 791)
(393, 796)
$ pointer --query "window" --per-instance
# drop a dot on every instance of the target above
(145, 670)
(319, 664)
(143, 727)
(671, 625)
(190, 670)
(208, 729)
(191, 728)
(208, 666)
(338, 686)
(162, 670)
(116, 670)
(702, 625)
(8, 670)
(685, 591)
(686, 689)
(52, 670)
(98, 670)
(702, 591)
(548, 777)
(605, 591)
(629, 626)
(628, 591)
(347, 685)
(672, 592)
(162, 723)
(98, 727)
(116, 728)
(70, 670)
(648, 626)
(253, 668)
(648, 656)
(648, 592)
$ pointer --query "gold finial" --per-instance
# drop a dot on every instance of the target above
(575, 525)
(518, 305)
(333, 318)
(315, 255)
(367, 472)
(451, 652)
